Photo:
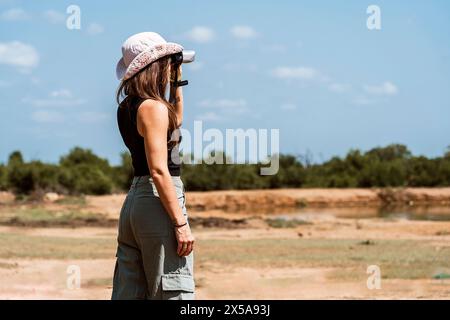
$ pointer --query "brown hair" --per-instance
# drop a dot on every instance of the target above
(151, 83)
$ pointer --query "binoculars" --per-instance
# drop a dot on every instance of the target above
(185, 56)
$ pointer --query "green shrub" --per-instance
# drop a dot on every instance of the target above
(85, 179)
(21, 178)
(83, 172)
(35, 175)
(123, 174)
(3, 179)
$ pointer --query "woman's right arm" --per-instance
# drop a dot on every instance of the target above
(176, 97)
(152, 123)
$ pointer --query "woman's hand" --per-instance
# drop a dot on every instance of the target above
(185, 240)
(173, 69)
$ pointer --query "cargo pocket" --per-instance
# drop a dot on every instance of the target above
(177, 286)
(153, 186)
(181, 196)
(182, 204)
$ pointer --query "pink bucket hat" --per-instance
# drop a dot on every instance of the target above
(140, 50)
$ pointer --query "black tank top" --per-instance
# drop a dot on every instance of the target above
(127, 121)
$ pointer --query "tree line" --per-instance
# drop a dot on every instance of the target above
(83, 172)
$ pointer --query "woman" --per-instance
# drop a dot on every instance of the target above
(155, 243)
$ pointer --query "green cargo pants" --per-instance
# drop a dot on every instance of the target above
(147, 265)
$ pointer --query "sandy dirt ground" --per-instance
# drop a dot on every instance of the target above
(267, 200)
(46, 278)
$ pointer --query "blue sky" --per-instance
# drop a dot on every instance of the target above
(310, 68)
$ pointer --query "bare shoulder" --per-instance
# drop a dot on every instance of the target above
(152, 107)
(152, 115)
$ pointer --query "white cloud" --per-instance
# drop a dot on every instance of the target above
(4, 84)
(14, 14)
(53, 102)
(208, 116)
(305, 73)
(197, 65)
(243, 32)
(47, 116)
(201, 34)
(62, 93)
(93, 117)
(386, 88)
(35, 80)
(340, 87)
(57, 98)
(222, 108)
(288, 106)
(52, 116)
(274, 48)
(239, 67)
(53, 16)
(95, 28)
(223, 103)
(363, 101)
(18, 54)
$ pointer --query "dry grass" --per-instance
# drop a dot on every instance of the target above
(399, 259)
(38, 216)
(42, 247)
(286, 223)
